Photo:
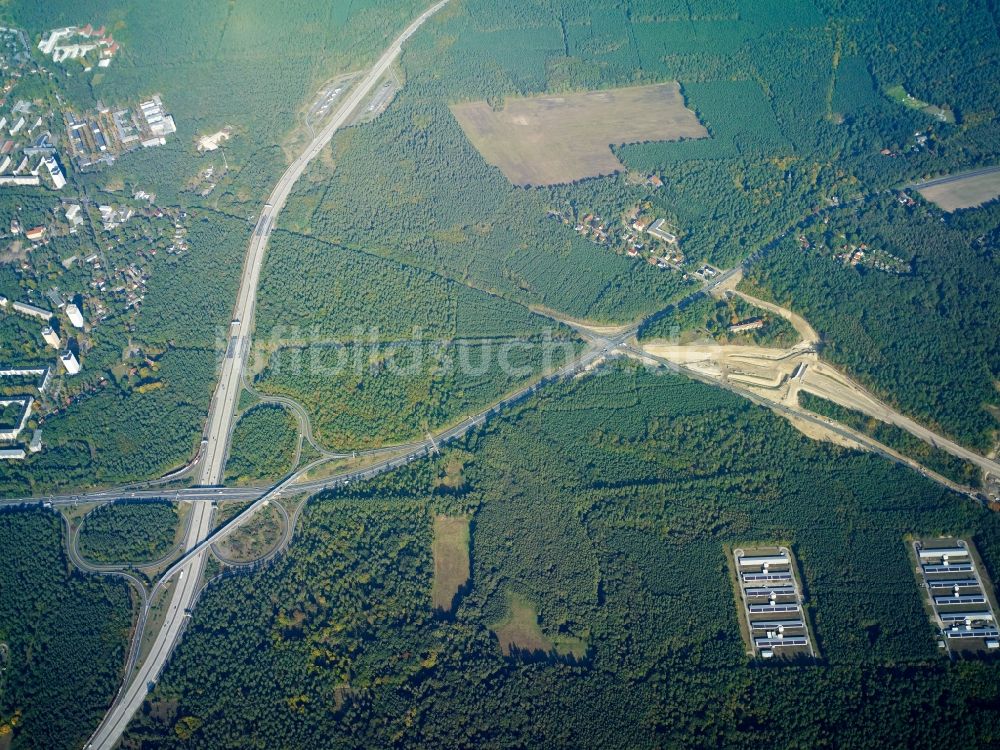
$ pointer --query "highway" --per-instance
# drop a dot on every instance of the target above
(802, 414)
(191, 494)
(187, 572)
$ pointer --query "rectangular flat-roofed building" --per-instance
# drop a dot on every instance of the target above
(780, 575)
(757, 609)
(962, 583)
(970, 616)
(938, 552)
(55, 172)
(974, 633)
(26, 308)
(785, 642)
(768, 590)
(942, 601)
(749, 561)
(776, 624)
(29, 179)
(17, 372)
(74, 315)
(950, 568)
(70, 362)
(51, 337)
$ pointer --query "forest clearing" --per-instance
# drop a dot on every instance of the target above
(451, 559)
(965, 192)
(547, 140)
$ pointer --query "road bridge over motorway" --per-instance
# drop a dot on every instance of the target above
(184, 576)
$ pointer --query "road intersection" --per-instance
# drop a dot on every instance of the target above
(180, 583)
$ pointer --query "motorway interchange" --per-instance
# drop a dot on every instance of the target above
(180, 583)
(185, 572)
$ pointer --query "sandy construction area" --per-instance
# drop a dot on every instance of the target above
(778, 375)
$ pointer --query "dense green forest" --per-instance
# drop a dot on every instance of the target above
(378, 394)
(128, 532)
(263, 444)
(704, 316)
(62, 637)
(190, 297)
(312, 291)
(925, 341)
(606, 504)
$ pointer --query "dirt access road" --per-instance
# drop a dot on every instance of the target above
(778, 375)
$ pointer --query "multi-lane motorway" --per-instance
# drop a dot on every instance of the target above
(186, 573)
(190, 494)
(181, 581)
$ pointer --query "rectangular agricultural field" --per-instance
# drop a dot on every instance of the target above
(963, 191)
(548, 140)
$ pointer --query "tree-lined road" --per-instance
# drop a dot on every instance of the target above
(189, 494)
(953, 177)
